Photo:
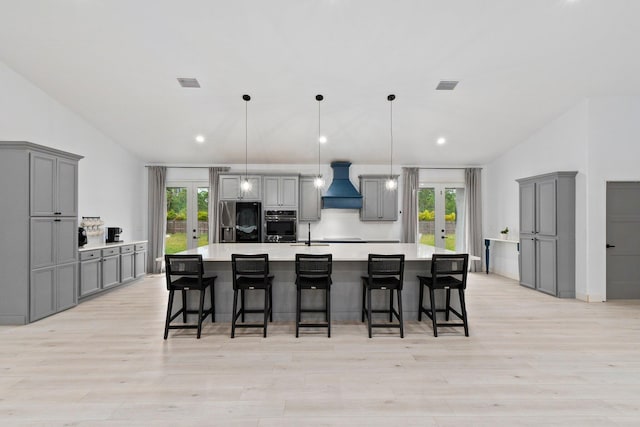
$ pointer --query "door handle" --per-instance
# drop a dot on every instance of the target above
(610, 246)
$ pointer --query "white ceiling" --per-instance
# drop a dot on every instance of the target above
(520, 64)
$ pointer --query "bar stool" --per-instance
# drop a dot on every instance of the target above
(251, 272)
(313, 272)
(384, 272)
(448, 271)
(186, 273)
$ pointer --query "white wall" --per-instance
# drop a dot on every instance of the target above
(614, 150)
(112, 182)
(598, 138)
(559, 146)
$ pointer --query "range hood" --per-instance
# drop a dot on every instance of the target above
(341, 194)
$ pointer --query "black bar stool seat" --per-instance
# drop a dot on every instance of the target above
(313, 272)
(251, 272)
(448, 271)
(186, 273)
(384, 272)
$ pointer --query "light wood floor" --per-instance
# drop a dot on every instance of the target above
(531, 360)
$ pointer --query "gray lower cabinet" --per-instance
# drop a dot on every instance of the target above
(310, 200)
(547, 233)
(52, 289)
(110, 267)
(106, 268)
(140, 260)
(127, 263)
(90, 273)
(378, 203)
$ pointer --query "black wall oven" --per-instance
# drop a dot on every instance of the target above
(280, 226)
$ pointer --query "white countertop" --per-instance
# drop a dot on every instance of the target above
(340, 251)
(93, 247)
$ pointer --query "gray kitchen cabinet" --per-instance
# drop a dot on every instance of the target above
(547, 233)
(280, 192)
(39, 245)
(90, 272)
(140, 259)
(310, 198)
(378, 203)
(53, 185)
(110, 267)
(127, 265)
(230, 187)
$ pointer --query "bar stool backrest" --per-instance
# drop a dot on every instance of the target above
(255, 267)
(183, 266)
(313, 265)
(386, 266)
(449, 265)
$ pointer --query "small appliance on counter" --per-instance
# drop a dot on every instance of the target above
(94, 232)
(82, 236)
(113, 234)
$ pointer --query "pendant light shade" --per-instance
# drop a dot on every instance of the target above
(318, 182)
(245, 185)
(391, 183)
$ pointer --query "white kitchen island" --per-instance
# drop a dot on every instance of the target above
(349, 264)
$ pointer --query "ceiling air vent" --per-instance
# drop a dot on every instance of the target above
(447, 85)
(188, 82)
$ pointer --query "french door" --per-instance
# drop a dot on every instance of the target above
(187, 216)
(440, 221)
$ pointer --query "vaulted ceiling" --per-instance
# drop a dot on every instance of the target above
(520, 64)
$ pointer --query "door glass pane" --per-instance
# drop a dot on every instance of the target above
(176, 237)
(450, 218)
(203, 216)
(426, 216)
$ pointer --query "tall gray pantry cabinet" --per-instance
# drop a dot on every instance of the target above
(38, 231)
(547, 233)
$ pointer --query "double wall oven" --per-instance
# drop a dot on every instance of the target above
(280, 226)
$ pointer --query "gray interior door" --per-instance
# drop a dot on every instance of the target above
(623, 235)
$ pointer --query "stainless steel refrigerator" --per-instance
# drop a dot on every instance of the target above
(240, 222)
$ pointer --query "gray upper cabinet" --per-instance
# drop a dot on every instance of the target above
(230, 187)
(280, 192)
(547, 233)
(54, 185)
(310, 200)
(39, 248)
(378, 203)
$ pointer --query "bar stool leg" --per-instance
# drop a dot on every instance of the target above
(200, 310)
(421, 301)
(369, 319)
(298, 309)
(242, 304)
(328, 304)
(390, 305)
(448, 307)
(184, 306)
(364, 306)
(463, 306)
(266, 311)
(213, 305)
(234, 314)
(433, 312)
(169, 308)
(400, 318)
(270, 303)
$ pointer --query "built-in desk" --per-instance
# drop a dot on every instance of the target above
(487, 244)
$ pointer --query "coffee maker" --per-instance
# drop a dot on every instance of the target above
(113, 234)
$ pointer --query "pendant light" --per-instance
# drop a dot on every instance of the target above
(318, 182)
(391, 183)
(245, 186)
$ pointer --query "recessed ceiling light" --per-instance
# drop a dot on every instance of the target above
(199, 139)
(188, 82)
(322, 139)
(441, 141)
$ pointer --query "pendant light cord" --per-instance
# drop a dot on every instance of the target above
(391, 129)
(319, 143)
(246, 138)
